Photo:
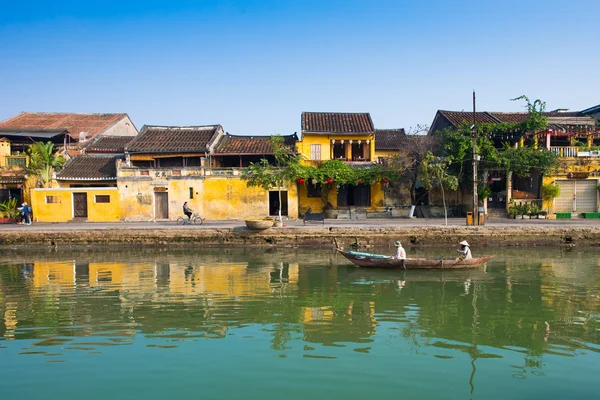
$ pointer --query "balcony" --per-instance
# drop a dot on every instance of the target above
(565, 151)
(15, 162)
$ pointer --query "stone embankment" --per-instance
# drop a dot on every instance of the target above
(310, 237)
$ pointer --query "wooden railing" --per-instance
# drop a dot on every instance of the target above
(565, 151)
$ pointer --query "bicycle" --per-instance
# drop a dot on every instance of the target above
(195, 219)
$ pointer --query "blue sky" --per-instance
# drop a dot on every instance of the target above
(254, 66)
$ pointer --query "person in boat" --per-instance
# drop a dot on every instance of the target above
(400, 253)
(465, 250)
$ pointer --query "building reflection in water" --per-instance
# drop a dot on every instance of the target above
(531, 308)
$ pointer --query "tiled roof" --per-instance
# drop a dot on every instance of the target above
(89, 168)
(73, 123)
(173, 139)
(481, 117)
(325, 122)
(231, 144)
(389, 139)
(108, 144)
(458, 117)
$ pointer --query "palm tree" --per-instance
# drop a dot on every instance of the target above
(43, 162)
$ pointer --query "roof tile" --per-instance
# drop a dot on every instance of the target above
(89, 168)
(173, 139)
(108, 144)
(231, 144)
(74, 123)
(389, 139)
(326, 122)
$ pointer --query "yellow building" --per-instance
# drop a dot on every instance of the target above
(168, 166)
(87, 191)
(348, 137)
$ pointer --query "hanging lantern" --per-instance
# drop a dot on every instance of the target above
(301, 180)
(360, 141)
(314, 181)
(350, 141)
(329, 181)
(385, 181)
(358, 182)
(332, 141)
(368, 141)
(342, 141)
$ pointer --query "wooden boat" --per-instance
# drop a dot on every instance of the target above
(369, 260)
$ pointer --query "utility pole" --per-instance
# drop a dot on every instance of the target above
(474, 135)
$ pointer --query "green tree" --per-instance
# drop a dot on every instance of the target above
(284, 170)
(43, 162)
(435, 173)
(549, 193)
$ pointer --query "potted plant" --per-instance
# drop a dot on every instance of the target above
(513, 209)
(549, 193)
(533, 210)
(9, 211)
(525, 210)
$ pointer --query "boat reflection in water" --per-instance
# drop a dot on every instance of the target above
(521, 310)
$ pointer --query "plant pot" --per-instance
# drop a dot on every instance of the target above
(331, 214)
(8, 220)
(259, 224)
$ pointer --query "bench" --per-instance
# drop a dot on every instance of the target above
(311, 216)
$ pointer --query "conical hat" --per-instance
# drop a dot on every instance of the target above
(464, 243)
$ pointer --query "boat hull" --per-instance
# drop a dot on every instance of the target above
(367, 260)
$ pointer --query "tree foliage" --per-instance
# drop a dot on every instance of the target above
(406, 166)
(458, 144)
(43, 162)
(435, 173)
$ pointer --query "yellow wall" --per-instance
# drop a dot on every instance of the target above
(215, 197)
(63, 211)
(325, 142)
(590, 166)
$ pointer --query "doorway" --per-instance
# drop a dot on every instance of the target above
(161, 205)
(357, 196)
(274, 203)
(497, 184)
(80, 207)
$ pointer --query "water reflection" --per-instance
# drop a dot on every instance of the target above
(522, 303)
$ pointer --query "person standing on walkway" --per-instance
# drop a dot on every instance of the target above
(465, 250)
(26, 212)
(400, 253)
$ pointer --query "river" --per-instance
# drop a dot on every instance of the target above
(100, 323)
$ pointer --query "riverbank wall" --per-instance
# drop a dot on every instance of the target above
(309, 237)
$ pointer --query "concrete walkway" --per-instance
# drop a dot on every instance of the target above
(298, 224)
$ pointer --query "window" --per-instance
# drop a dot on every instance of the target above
(102, 198)
(313, 190)
(315, 151)
(52, 199)
(191, 193)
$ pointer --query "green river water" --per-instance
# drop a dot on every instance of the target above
(296, 324)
